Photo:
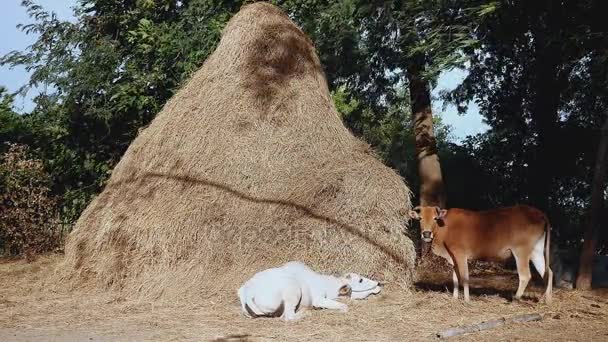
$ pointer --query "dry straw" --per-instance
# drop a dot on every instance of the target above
(246, 167)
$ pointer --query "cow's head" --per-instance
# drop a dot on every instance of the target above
(360, 287)
(430, 219)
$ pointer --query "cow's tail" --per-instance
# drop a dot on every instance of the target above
(548, 271)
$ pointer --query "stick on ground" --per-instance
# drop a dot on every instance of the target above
(488, 325)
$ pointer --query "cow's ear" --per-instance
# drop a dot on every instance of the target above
(345, 291)
(414, 215)
(441, 213)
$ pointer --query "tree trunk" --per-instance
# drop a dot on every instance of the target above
(583, 280)
(432, 191)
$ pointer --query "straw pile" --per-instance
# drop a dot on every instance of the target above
(247, 166)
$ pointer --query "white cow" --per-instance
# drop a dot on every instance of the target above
(282, 291)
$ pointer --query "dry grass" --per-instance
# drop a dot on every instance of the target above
(29, 222)
(27, 312)
(248, 166)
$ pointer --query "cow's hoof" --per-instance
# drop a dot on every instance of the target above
(291, 318)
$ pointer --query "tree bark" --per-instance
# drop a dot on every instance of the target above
(432, 191)
(583, 280)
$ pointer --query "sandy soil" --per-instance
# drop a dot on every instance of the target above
(31, 313)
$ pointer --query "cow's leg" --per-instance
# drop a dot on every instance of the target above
(455, 281)
(454, 277)
(538, 259)
(538, 256)
(523, 270)
(291, 301)
(462, 265)
(465, 279)
(326, 303)
(549, 284)
(290, 313)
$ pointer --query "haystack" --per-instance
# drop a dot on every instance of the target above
(248, 166)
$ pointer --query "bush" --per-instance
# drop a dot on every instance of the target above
(28, 213)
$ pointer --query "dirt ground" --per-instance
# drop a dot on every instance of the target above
(30, 313)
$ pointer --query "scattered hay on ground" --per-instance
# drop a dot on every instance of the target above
(29, 312)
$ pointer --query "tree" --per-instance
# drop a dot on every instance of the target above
(432, 192)
(11, 124)
(583, 280)
(598, 81)
(531, 75)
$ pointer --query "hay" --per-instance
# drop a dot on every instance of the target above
(248, 166)
(31, 313)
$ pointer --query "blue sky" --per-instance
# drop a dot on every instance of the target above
(11, 14)
(469, 123)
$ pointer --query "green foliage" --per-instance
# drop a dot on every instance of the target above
(110, 72)
(344, 104)
(11, 124)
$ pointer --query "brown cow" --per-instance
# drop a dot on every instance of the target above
(459, 235)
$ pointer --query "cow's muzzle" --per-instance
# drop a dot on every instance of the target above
(427, 236)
